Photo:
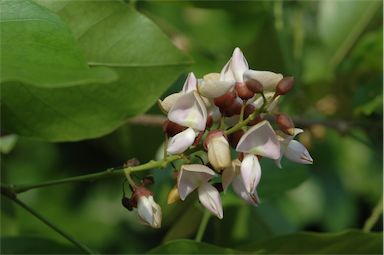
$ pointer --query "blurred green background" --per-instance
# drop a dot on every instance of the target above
(334, 51)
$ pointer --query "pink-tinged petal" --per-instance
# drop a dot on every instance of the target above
(226, 73)
(239, 189)
(210, 198)
(229, 173)
(189, 111)
(250, 172)
(284, 142)
(169, 101)
(298, 153)
(261, 140)
(192, 176)
(219, 154)
(181, 142)
(268, 79)
(215, 88)
(238, 64)
(190, 83)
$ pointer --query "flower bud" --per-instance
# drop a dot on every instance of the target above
(248, 110)
(284, 86)
(242, 91)
(250, 172)
(285, 124)
(225, 100)
(254, 85)
(219, 154)
(297, 152)
(127, 203)
(171, 128)
(149, 211)
(234, 138)
(234, 108)
(173, 196)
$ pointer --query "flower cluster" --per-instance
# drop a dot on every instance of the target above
(233, 116)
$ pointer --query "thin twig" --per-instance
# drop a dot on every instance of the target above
(374, 217)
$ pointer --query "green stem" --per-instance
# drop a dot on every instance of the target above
(10, 188)
(376, 212)
(50, 224)
(203, 226)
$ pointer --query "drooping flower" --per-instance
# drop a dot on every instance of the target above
(219, 154)
(261, 140)
(195, 176)
(148, 210)
(250, 172)
(181, 142)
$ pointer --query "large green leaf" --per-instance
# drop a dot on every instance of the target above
(111, 34)
(34, 245)
(348, 242)
(38, 48)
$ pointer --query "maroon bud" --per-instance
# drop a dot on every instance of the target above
(209, 122)
(248, 110)
(255, 120)
(172, 128)
(285, 124)
(225, 100)
(127, 203)
(254, 86)
(148, 180)
(235, 137)
(242, 91)
(233, 109)
(284, 86)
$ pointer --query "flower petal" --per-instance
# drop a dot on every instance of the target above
(181, 142)
(210, 198)
(189, 111)
(190, 83)
(238, 65)
(250, 172)
(261, 140)
(229, 173)
(169, 101)
(219, 154)
(239, 189)
(226, 73)
(144, 209)
(211, 86)
(298, 153)
(192, 176)
(268, 79)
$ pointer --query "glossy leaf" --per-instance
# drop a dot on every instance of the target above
(34, 245)
(143, 57)
(37, 48)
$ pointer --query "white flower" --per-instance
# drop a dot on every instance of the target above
(181, 142)
(260, 140)
(212, 86)
(250, 172)
(219, 154)
(189, 111)
(149, 211)
(237, 69)
(196, 176)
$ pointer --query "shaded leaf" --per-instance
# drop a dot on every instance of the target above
(144, 58)
(38, 48)
(34, 245)
(188, 247)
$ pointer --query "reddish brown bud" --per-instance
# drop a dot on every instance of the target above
(248, 110)
(127, 203)
(234, 138)
(148, 180)
(285, 124)
(242, 91)
(284, 86)
(171, 128)
(256, 120)
(225, 100)
(254, 86)
(233, 109)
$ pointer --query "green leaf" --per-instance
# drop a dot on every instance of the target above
(38, 48)
(34, 245)
(347, 242)
(111, 34)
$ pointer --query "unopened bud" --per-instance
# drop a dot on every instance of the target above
(284, 86)
(225, 100)
(219, 154)
(127, 203)
(242, 91)
(172, 128)
(248, 110)
(148, 180)
(234, 138)
(255, 120)
(173, 196)
(285, 124)
(233, 109)
(254, 86)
